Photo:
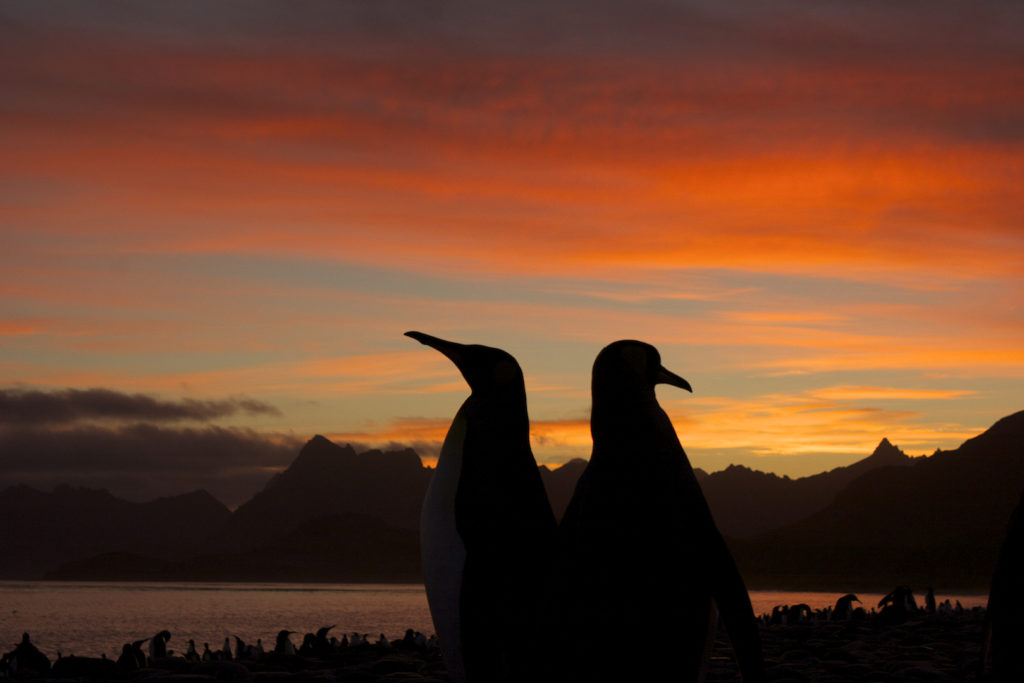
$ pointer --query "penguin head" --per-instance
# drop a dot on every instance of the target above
(485, 368)
(629, 366)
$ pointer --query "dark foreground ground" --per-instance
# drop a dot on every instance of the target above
(926, 648)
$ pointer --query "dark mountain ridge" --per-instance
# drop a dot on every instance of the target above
(327, 479)
(748, 502)
(39, 530)
(560, 483)
(348, 548)
(342, 516)
(938, 521)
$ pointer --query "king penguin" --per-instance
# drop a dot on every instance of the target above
(1004, 617)
(638, 548)
(487, 531)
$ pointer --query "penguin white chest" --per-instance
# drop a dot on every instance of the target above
(442, 550)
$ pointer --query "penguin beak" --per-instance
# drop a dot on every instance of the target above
(452, 350)
(666, 377)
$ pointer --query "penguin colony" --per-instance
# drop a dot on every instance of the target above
(27, 662)
(516, 597)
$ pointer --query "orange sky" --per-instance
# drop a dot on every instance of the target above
(813, 211)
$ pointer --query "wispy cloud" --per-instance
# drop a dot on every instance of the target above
(855, 393)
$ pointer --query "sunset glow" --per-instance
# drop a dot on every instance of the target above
(814, 211)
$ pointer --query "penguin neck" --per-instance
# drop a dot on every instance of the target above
(621, 422)
(502, 414)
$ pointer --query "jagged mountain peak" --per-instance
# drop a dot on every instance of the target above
(319, 449)
(886, 452)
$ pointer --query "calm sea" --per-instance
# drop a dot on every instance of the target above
(91, 618)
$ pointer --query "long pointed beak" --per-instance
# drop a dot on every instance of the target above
(453, 350)
(666, 377)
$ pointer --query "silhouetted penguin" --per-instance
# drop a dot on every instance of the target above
(158, 645)
(321, 645)
(308, 646)
(225, 652)
(799, 613)
(27, 658)
(487, 530)
(242, 651)
(127, 662)
(1004, 616)
(638, 548)
(283, 645)
(898, 606)
(844, 607)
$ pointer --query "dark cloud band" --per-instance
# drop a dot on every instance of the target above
(30, 407)
(142, 462)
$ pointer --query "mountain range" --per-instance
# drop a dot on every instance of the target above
(338, 515)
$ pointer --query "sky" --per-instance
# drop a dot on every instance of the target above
(217, 220)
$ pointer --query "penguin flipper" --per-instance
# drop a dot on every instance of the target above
(733, 600)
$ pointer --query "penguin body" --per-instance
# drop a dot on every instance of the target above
(487, 529)
(1004, 624)
(638, 548)
(443, 552)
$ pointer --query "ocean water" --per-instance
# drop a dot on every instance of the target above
(90, 618)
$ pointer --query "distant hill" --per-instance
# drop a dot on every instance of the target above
(40, 530)
(747, 502)
(346, 548)
(939, 521)
(327, 479)
(560, 483)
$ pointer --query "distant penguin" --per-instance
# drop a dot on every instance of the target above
(27, 659)
(638, 548)
(487, 530)
(1004, 616)
(308, 646)
(844, 607)
(321, 644)
(800, 613)
(898, 606)
(284, 645)
(241, 650)
(140, 656)
(158, 645)
(127, 661)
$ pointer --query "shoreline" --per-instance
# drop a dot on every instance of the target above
(943, 648)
